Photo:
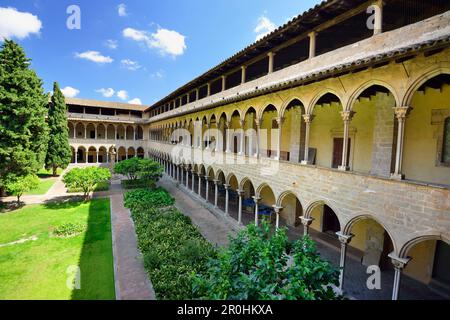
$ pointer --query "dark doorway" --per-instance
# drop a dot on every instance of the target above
(338, 146)
(330, 221)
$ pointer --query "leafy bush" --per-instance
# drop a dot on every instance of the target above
(69, 229)
(172, 247)
(21, 185)
(86, 179)
(101, 186)
(148, 198)
(136, 168)
(259, 265)
(138, 183)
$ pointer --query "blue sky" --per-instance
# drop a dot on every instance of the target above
(137, 49)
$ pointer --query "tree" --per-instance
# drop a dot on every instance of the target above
(86, 179)
(259, 265)
(21, 185)
(136, 168)
(23, 107)
(59, 153)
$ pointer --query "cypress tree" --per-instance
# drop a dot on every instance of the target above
(23, 107)
(59, 153)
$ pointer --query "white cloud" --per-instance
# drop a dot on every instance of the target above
(18, 24)
(122, 94)
(122, 10)
(94, 56)
(130, 64)
(264, 27)
(135, 101)
(112, 44)
(70, 92)
(158, 74)
(107, 93)
(166, 41)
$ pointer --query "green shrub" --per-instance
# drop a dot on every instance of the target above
(136, 168)
(69, 229)
(259, 265)
(171, 246)
(86, 179)
(21, 185)
(101, 186)
(143, 198)
(138, 183)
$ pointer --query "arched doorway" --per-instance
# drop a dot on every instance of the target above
(121, 154)
(250, 132)
(102, 155)
(248, 203)
(81, 155)
(131, 153)
(293, 130)
(140, 153)
(268, 140)
(92, 155)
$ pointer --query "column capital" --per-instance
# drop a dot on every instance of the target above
(216, 182)
(271, 54)
(399, 263)
(276, 208)
(258, 122)
(228, 124)
(306, 221)
(401, 112)
(347, 115)
(240, 192)
(344, 238)
(280, 120)
(308, 118)
(243, 67)
(256, 199)
(226, 186)
(242, 122)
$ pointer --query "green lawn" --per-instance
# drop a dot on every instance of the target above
(38, 269)
(46, 182)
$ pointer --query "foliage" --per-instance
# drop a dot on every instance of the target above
(23, 107)
(59, 153)
(101, 186)
(22, 185)
(136, 168)
(69, 229)
(137, 184)
(86, 179)
(172, 247)
(142, 198)
(259, 265)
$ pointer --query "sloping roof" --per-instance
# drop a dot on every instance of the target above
(105, 104)
(304, 22)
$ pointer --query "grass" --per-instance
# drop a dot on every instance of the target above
(38, 269)
(47, 181)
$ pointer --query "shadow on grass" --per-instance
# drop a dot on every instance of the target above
(96, 258)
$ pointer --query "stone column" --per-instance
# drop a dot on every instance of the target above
(308, 118)
(224, 83)
(346, 117)
(399, 265)
(280, 123)
(187, 178)
(208, 136)
(196, 94)
(208, 89)
(96, 156)
(85, 132)
(240, 194)
(306, 222)
(207, 188)
(277, 210)
(344, 239)
(216, 192)
(401, 114)
(228, 133)
(76, 157)
(134, 133)
(258, 136)
(378, 27)
(243, 74)
(95, 132)
(256, 199)
(193, 181)
(181, 174)
(312, 44)
(227, 197)
(271, 62)
(242, 138)
(199, 185)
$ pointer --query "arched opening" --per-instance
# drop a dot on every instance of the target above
(202, 181)
(139, 133)
(121, 154)
(81, 155)
(120, 132)
(248, 203)
(71, 130)
(130, 133)
(212, 136)
(222, 126)
(236, 132)
(102, 155)
(140, 153)
(191, 133)
(79, 131)
(426, 149)
(101, 131)
(130, 153)
(327, 132)
(293, 130)
(233, 198)
(291, 212)
(372, 132)
(265, 206)
(221, 190)
(90, 131)
(268, 138)
(250, 132)
(211, 178)
(92, 155)
(110, 132)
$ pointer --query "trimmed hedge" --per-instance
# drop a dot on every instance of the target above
(172, 247)
(137, 184)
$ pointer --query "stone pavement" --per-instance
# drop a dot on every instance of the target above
(131, 280)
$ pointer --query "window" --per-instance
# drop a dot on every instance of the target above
(446, 142)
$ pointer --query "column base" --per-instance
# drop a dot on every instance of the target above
(397, 176)
(305, 162)
(343, 168)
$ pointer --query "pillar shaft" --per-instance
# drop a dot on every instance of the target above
(308, 118)
(400, 113)
(256, 199)
(344, 240)
(312, 44)
(346, 117)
